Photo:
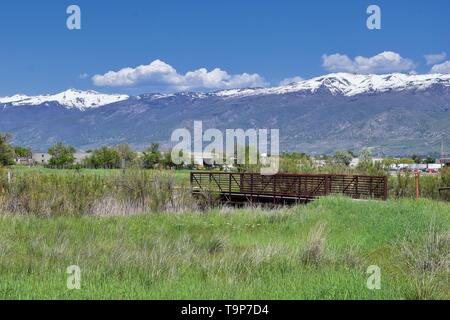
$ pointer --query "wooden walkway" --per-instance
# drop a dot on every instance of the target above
(286, 188)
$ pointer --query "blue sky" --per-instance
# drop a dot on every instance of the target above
(253, 42)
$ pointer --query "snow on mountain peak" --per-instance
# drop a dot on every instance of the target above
(346, 84)
(71, 98)
(349, 84)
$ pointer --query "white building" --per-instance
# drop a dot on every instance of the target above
(80, 157)
(41, 158)
(44, 158)
(355, 161)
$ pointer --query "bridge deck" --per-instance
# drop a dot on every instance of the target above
(287, 188)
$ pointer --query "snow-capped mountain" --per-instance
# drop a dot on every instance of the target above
(394, 114)
(71, 98)
(345, 84)
(348, 84)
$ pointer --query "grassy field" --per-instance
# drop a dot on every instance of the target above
(399, 186)
(319, 251)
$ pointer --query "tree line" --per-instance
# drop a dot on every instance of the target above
(120, 156)
(63, 156)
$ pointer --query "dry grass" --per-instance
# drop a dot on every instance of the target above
(314, 251)
(427, 263)
(123, 193)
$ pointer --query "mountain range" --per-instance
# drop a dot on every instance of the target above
(394, 114)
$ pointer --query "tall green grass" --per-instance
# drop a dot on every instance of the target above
(81, 193)
(319, 251)
(404, 186)
(49, 192)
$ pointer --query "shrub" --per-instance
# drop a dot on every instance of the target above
(6, 151)
(105, 157)
(427, 263)
(314, 251)
(62, 155)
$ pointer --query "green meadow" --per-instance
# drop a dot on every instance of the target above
(318, 251)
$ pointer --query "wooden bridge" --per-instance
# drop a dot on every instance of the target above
(286, 188)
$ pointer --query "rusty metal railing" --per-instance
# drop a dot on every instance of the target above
(291, 185)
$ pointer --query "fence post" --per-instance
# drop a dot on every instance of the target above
(417, 186)
(9, 177)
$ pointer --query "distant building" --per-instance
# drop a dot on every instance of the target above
(24, 160)
(80, 157)
(44, 158)
(355, 161)
(41, 158)
(319, 163)
(435, 166)
(445, 161)
(205, 158)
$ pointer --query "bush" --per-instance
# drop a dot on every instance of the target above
(105, 157)
(314, 252)
(6, 150)
(426, 263)
(62, 155)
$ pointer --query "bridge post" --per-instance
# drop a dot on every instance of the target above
(229, 185)
(385, 196)
(327, 184)
(251, 187)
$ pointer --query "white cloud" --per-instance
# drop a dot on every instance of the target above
(161, 75)
(443, 68)
(83, 76)
(290, 80)
(435, 58)
(385, 62)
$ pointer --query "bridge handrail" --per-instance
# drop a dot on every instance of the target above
(291, 185)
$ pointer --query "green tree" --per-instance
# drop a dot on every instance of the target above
(295, 163)
(430, 159)
(417, 159)
(127, 154)
(367, 166)
(61, 155)
(6, 150)
(22, 152)
(342, 158)
(152, 156)
(166, 160)
(365, 156)
(406, 161)
(104, 157)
